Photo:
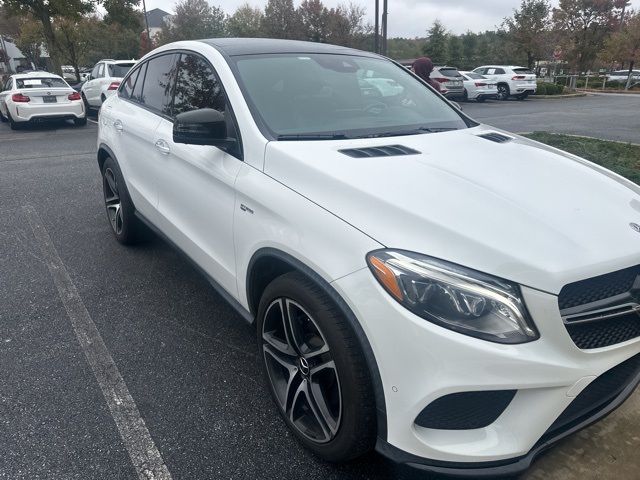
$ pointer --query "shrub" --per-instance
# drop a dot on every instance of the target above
(545, 88)
(542, 89)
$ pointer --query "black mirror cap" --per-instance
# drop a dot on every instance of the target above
(205, 126)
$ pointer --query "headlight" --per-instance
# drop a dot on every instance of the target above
(454, 297)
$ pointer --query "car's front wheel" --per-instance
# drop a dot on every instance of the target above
(126, 227)
(316, 370)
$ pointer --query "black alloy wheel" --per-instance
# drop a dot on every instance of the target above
(503, 92)
(301, 370)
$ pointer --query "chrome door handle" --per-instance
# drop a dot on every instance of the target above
(163, 146)
(118, 125)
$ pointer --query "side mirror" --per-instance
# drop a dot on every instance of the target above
(205, 126)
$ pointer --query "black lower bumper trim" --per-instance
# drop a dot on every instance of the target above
(508, 467)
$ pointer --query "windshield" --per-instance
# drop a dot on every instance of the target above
(119, 69)
(475, 76)
(338, 96)
(41, 82)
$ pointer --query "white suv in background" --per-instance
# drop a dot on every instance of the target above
(519, 82)
(413, 288)
(104, 80)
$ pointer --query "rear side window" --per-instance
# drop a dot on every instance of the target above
(41, 83)
(129, 83)
(119, 70)
(158, 83)
(136, 94)
(197, 86)
(499, 71)
(523, 71)
(475, 76)
(100, 70)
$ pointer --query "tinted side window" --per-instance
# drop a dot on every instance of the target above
(94, 72)
(136, 94)
(100, 70)
(158, 83)
(499, 71)
(129, 83)
(197, 86)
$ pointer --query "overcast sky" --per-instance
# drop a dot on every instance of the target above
(409, 18)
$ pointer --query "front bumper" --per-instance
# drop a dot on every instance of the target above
(419, 362)
(40, 112)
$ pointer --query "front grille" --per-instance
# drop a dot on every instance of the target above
(602, 311)
(597, 395)
(604, 333)
(465, 410)
(598, 288)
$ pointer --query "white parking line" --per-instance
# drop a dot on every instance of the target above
(143, 453)
(92, 121)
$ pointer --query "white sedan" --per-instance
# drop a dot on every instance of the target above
(39, 96)
(478, 87)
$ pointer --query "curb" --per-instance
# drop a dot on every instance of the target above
(569, 95)
(620, 92)
(524, 134)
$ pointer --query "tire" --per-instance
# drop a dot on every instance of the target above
(3, 119)
(465, 96)
(503, 91)
(13, 124)
(80, 122)
(87, 107)
(522, 96)
(480, 99)
(126, 227)
(341, 380)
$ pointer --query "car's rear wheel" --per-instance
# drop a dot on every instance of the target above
(522, 96)
(503, 91)
(126, 227)
(3, 119)
(12, 123)
(480, 99)
(80, 122)
(315, 369)
(465, 96)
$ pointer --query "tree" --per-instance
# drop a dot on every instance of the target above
(29, 40)
(246, 22)
(469, 48)
(123, 12)
(528, 29)
(43, 11)
(624, 46)
(281, 20)
(584, 25)
(437, 43)
(194, 19)
(454, 49)
(314, 21)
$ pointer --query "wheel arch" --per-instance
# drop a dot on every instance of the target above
(268, 263)
(104, 152)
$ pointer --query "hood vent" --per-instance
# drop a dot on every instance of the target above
(384, 151)
(496, 137)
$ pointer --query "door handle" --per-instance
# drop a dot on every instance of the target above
(163, 146)
(118, 126)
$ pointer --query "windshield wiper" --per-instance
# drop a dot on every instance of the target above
(313, 136)
(415, 131)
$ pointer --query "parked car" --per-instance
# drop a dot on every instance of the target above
(478, 87)
(623, 75)
(511, 80)
(104, 80)
(450, 81)
(39, 96)
(420, 283)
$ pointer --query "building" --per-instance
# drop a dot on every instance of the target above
(17, 60)
(157, 19)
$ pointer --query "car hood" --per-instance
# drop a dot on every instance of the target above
(519, 210)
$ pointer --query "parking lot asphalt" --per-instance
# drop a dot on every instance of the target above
(606, 116)
(188, 360)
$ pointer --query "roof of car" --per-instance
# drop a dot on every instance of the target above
(253, 46)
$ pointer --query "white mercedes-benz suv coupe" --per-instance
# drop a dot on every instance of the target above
(456, 297)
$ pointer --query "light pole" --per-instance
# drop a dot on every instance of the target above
(146, 22)
(385, 13)
(376, 41)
